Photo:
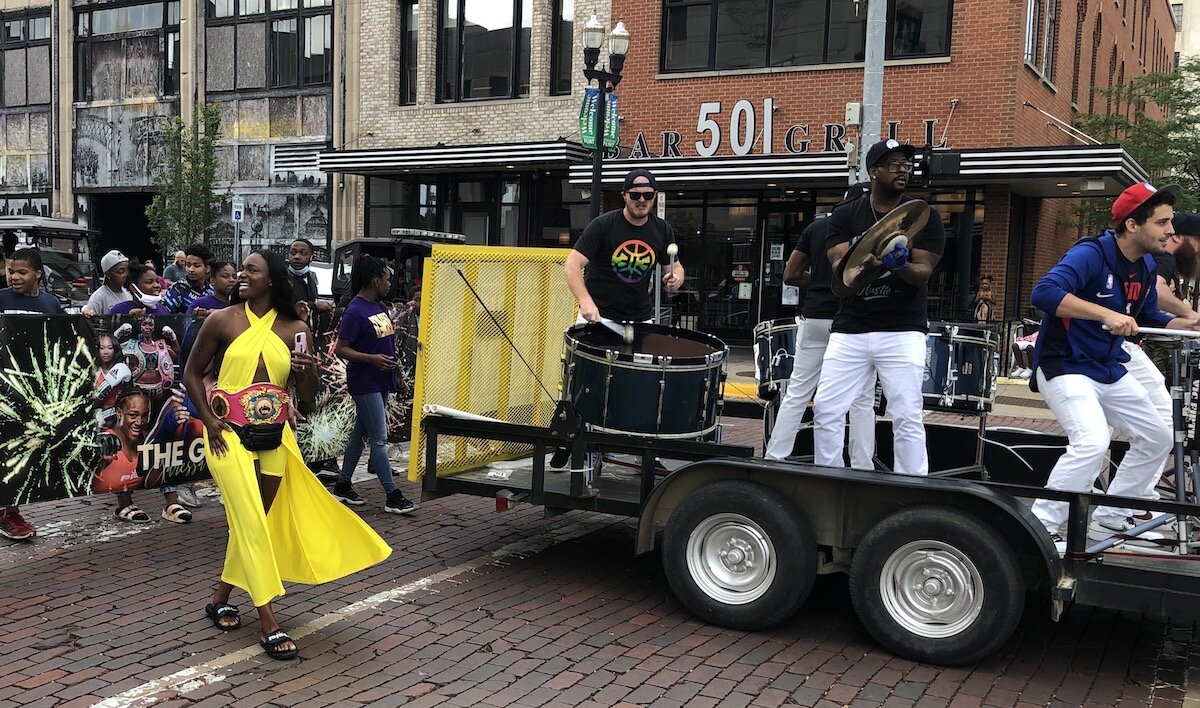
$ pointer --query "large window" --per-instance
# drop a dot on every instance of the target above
(409, 14)
(268, 44)
(484, 49)
(26, 55)
(562, 47)
(743, 34)
(919, 28)
(1041, 36)
(126, 52)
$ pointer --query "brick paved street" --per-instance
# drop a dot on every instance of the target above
(480, 608)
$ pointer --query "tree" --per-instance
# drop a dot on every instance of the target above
(187, 206)
(1156, 117)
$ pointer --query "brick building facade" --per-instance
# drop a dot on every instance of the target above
(740, 108)
(1008, 206)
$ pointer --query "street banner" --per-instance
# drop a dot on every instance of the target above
(587, 117)
(97, 405)
(612, 123)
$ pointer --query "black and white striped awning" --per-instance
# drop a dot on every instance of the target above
(443, 158)
(1061, 170)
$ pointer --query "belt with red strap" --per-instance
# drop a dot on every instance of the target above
(259, 404)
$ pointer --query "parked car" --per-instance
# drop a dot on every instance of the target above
(404, 252)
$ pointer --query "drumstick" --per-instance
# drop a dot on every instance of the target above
(624, 331)
(1162, 331)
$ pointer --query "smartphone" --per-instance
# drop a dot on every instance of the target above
(301, 343)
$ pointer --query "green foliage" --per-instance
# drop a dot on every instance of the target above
(187, 206)
(1166, 145)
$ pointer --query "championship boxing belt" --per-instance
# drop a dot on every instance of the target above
(256, 413)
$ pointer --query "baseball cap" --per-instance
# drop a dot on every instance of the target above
(1137, 195)
(111, 259)
(1186, 224)
(634, 174)
(883, 147)
(856, 191)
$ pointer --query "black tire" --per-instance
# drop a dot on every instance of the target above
(970, 579)
(749, 521)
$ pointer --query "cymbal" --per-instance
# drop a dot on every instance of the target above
(861, 264)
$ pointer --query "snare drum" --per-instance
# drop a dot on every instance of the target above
(960, 367)
(666, 384)
(774, 352)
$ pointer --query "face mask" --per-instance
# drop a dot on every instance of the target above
(147, 300)
(299, 273)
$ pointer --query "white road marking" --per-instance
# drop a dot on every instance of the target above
(195, 677)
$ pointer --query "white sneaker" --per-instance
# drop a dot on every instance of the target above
(1016, 373)
(1060, 544)
(187, 496)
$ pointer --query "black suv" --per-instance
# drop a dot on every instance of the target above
(404, 252)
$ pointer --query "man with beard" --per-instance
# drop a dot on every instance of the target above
(1176, 266)
(882, 327)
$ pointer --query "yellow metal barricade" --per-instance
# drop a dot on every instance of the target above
(464, 361)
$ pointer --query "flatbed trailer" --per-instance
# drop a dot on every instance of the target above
(939, 567)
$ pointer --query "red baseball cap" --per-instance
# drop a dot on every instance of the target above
(1137, 195)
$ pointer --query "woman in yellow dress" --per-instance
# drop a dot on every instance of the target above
(283, 525)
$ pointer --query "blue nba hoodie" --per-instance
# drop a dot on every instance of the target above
(1096, 271)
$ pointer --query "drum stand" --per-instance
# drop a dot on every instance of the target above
(1185, 387)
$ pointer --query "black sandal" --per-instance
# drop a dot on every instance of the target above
(220, 611)
(271, 642)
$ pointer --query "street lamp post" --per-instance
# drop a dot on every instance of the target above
(607, 79)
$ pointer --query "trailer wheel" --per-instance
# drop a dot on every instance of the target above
(739, 554)
(933, 584)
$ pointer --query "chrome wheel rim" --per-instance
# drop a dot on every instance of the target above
(931, 589)
(731, 559)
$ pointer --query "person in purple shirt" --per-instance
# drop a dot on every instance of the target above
(367, 341)
(222, 278)
(146, 292)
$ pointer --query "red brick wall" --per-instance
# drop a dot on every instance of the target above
(993, 258)
(986, 72)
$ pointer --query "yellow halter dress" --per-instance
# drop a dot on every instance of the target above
(308, 536)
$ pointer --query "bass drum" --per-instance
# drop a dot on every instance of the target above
(666, 384)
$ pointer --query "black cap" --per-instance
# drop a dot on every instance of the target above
(634, 174)
(857, 191)
(1186, 224)
(882, 148)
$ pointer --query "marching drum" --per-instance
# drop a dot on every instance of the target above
(960, 367)
(774, 352)
(666, 383)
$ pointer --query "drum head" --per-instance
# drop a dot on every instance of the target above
(681, 345)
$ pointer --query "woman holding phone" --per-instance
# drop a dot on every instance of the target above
(367, 341)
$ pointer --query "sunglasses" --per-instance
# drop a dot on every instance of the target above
(640, 196)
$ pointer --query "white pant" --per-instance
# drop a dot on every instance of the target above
(812, 337)
(1085, 408)
(1147, 374)
(899, 358)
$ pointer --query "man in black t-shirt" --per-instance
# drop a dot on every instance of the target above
(812, 336)
(621, 251)
(882, 327)
(1150, 363)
